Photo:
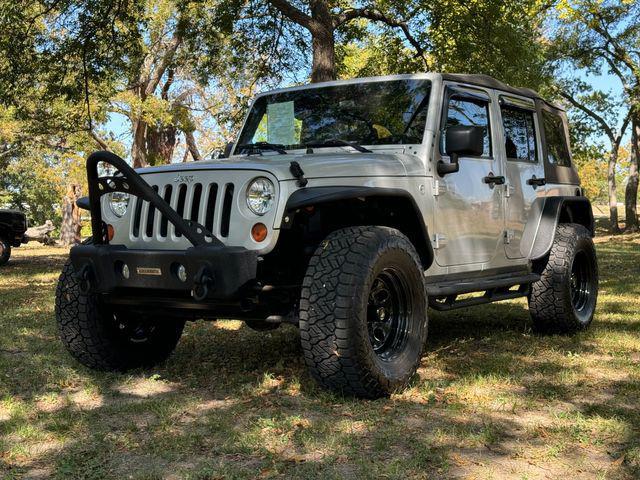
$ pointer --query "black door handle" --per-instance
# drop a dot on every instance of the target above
(536, 182)
(492, 179)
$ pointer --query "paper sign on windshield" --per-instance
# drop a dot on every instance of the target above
(280, 123)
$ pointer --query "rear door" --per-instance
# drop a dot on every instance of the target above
(520, 148)
(469, 216)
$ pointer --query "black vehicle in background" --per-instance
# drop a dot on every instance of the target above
(13, 225)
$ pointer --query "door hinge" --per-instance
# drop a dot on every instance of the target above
(439, 240)
(442, 187)
(436, 188)
(508, 236)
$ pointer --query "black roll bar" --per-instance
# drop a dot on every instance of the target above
(126, 180)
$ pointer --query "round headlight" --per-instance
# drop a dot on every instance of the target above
(118, 203)
(260, 195)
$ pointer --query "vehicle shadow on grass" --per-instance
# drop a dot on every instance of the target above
(232, 402)
(489, 399)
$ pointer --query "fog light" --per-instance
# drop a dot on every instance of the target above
(182, 273)
(125, 271)
(259, 232)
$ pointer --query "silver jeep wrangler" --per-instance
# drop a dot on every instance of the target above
(348, 209)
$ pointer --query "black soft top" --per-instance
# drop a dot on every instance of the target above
(490, 82)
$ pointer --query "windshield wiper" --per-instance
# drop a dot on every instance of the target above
(259, 146)
(335, 142)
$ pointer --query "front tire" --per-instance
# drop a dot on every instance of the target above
(564, 299)
(103, 339)
(5, 251)
(363, 312)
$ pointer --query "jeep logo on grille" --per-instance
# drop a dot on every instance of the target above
(184, 179)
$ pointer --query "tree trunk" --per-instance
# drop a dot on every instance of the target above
(192, 146)
(324, 55)
(41, 233)
(613, 190)
(161, 142)
(631, 193)
(71, 226)
(139, 144)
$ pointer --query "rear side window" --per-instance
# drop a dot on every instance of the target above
(519, 134)
(554, 134)
(469, 112)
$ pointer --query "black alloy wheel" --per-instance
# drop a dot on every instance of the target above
(582, 281)
(388, 314)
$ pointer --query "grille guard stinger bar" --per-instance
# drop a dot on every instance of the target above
(129, 181)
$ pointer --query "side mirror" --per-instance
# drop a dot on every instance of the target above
(461, 140)
(83, 203)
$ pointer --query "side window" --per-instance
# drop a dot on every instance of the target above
(557, 147)
(519, 134)
(469, 112)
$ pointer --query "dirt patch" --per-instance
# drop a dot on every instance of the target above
(146, 387)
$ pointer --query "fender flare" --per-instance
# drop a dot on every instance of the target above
(306, 197)
(545, 214)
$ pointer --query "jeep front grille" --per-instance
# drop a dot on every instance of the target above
(212, 197)
(208, 204)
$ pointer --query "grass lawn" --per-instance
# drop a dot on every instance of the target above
(491, 400)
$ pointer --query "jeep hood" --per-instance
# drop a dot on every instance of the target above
(315, 165)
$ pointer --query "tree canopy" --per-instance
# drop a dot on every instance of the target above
(597, 36)
(179, 74)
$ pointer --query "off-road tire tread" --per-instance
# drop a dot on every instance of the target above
(549, 301)
(4, 258)
(83, 333)
(334, 353)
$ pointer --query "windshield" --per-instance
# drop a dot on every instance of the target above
(371, 113)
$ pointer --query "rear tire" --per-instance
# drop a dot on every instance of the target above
(363, 312)
(5, 251)
(102, 339)
(565, 297)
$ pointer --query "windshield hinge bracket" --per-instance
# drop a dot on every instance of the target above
(296, 171)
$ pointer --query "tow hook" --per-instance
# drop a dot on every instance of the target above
(202, 285)
(84, 277)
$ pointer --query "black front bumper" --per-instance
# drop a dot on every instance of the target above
(212, 272)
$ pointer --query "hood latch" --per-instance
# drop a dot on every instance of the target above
(296, 171)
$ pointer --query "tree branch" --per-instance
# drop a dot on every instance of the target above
(167, 85)
(101, 143)
(620, 53)
(603, 123)
(623, 128)
(378, 16)
(616, 70)
(294, 14)
(161, 68)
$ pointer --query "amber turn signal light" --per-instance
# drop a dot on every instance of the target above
(110, 232)
(259, 232)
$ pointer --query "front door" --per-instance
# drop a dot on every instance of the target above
(469, 213)
(520, 147)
